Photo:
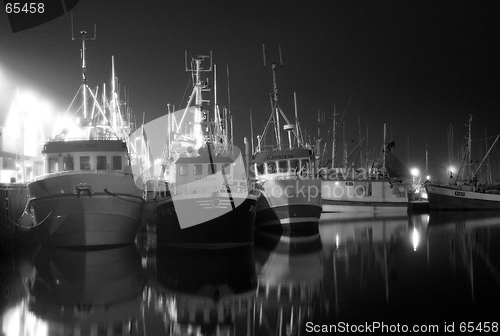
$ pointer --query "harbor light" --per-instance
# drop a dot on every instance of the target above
(415, 172)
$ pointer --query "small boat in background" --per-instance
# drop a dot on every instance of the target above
(466, 195)
(379, 188)
(87, 195)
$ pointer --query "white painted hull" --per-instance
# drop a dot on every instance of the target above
(106, 210)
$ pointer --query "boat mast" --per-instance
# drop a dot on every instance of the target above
(385, 148)
(469, 147)
(276, 108)
(83, 38)
(334, 134)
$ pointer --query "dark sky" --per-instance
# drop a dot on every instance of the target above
(415, 65)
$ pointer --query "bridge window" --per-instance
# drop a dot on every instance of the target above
(53, 165)
(349, 184)
(85, 162)
(294, 165)
(283, 166)
(183, 170)
(101, 162)
(271, 168)
(117, 162)
(68, 162)
(259, 168)
(198, 169)
(304, 164)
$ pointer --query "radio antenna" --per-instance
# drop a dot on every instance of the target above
(281, 58)
(83, 38)
(264, 55)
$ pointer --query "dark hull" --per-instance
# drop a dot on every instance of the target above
(293, 204)
(290, 216)
(442, 198)
(230, 229)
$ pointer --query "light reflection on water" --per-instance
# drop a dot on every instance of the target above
(357, 268)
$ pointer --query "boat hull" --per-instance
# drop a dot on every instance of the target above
(222, 227)
(109, 214)
(362, 196)
(292, 203)
(446, 198)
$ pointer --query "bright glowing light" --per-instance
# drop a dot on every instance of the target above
(415, 172)
(337, 241)
(68, 126)
(19, 319)
(25, 122)
(428, 177)
(415, 238)
(453, 169)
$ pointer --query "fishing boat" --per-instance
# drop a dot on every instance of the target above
(285, 174)
(87, 195)
(465, 194)
(379, 188)
(210, 204)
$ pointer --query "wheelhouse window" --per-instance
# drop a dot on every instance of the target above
(198, 169)
(212, 168)
(68, 163)
(53, 165)
(304, 164)
(101, 163)
(85, 162)
(259, 168)
(294, 165)
(117, 162)
(271, 168)
(283, 166)
(226, 169)
(183, 170)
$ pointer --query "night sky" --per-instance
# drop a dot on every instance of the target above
(417, 66)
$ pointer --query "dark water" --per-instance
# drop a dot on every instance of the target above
(428, 271)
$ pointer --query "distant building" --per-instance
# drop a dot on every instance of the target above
(11, 157)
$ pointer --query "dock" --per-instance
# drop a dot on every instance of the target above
(13, 197)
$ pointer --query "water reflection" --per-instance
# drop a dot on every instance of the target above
(291, 273)
(204, 292)
(428, 268)
(470, 239)
(360, 253)
(74, 292)
(433, 267)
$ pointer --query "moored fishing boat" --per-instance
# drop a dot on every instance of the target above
(286, 176)
(291, 194)
(210, 204)
(467, 194)
(87, 195)
(379, 188)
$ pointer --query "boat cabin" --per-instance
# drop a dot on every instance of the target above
(198, 174)
(283, 163)
(75, 155)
